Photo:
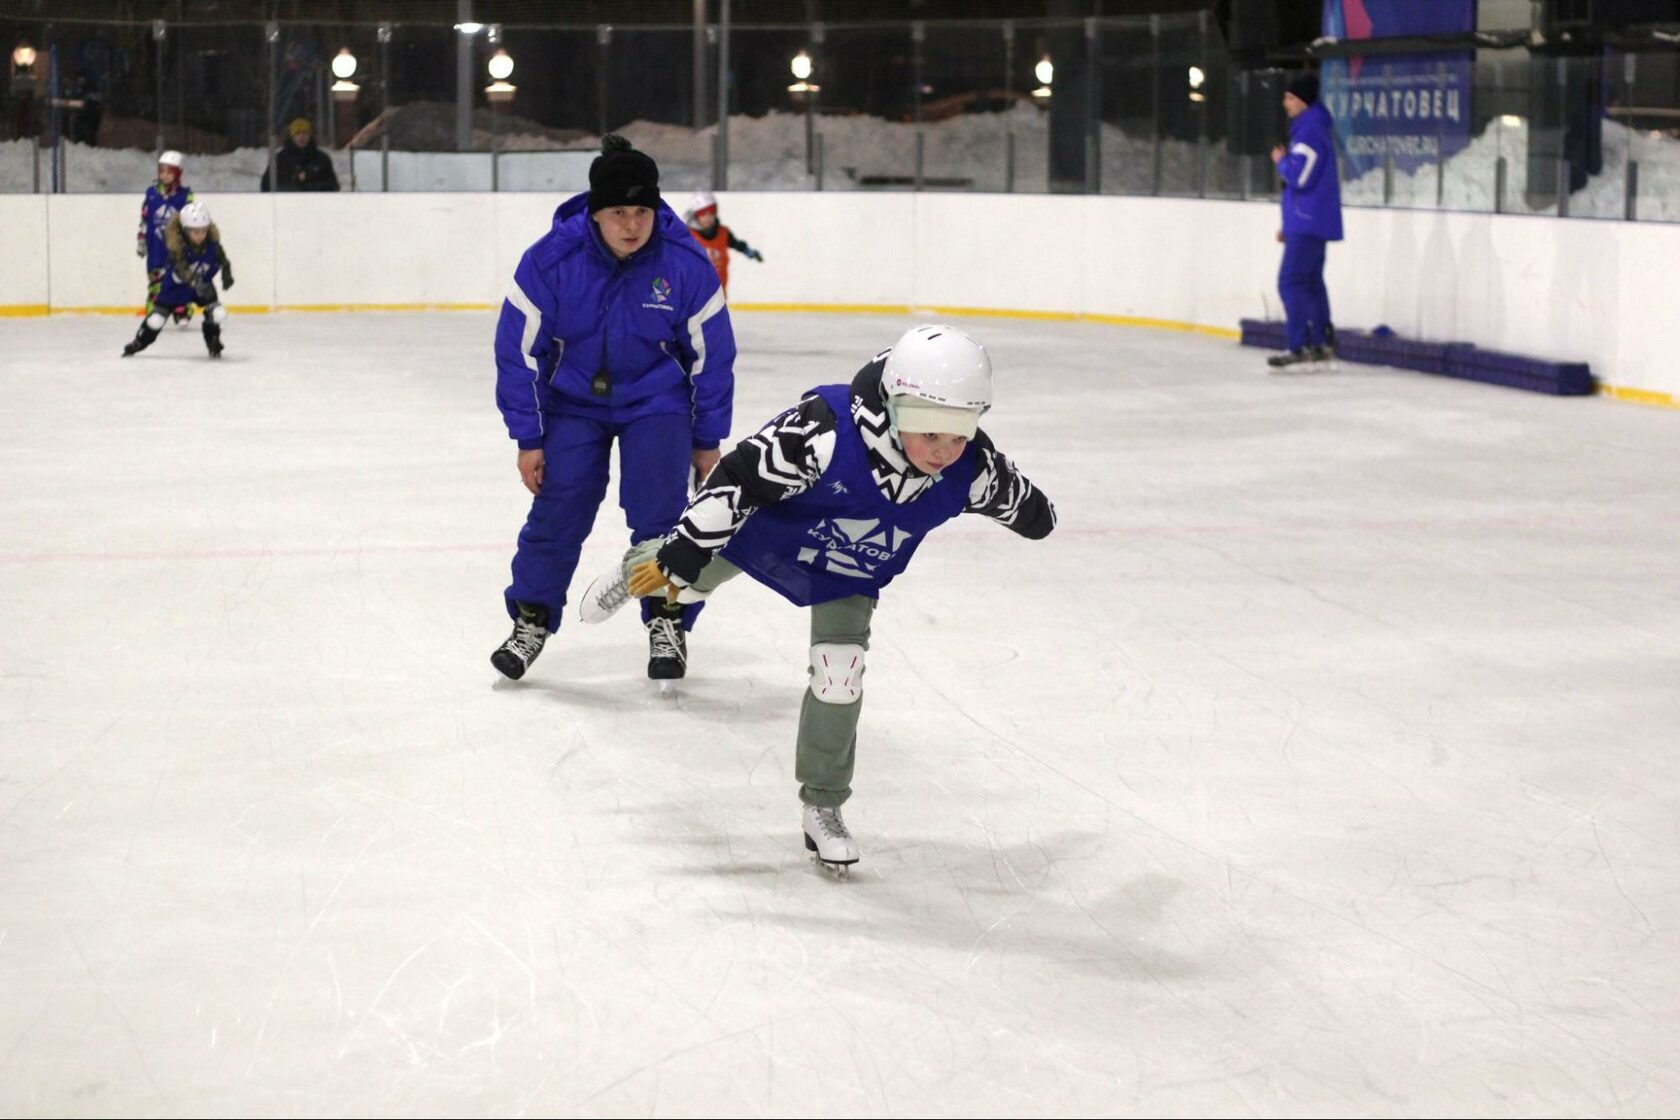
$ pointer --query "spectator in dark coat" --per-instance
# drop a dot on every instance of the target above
(300, 165)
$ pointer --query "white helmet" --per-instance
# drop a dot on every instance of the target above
(195, 215)
(702, 200)
(171, 159)
(937, 379)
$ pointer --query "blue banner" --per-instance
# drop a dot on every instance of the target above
(1415, 107)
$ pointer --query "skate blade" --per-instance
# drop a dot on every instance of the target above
(836, 868)
(667, 690)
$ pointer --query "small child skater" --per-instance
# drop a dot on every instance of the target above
(196, 257)
(164, 199)
(825, 505)
(715, 237)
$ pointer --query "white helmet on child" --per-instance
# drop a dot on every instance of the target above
(195, 215)
(702, 200)
(170, 159)
(937, 379)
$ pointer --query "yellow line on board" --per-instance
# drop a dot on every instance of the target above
(828, 308)
(388, 307)
(998, 313)
(1004, 313)
(1640, 396)
(33, 309)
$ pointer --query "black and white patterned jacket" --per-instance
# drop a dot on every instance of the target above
(789, 455)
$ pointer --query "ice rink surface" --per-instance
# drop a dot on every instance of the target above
(1323, 762)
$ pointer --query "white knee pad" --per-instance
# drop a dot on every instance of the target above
(837, 672)
(216, 313)
(156, 320)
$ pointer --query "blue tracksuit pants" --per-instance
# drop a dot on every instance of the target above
(654, 457)
(1306, 302)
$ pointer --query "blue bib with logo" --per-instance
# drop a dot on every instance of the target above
(843, 536)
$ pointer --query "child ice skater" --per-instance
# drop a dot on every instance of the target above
(825, 505)
(715, 237)
(196, 257)
(164, 199)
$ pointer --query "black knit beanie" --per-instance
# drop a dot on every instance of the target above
(1304, 86)
(622, 176)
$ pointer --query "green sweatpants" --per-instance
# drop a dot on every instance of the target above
(826, 750)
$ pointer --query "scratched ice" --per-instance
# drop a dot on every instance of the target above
(1322, 762)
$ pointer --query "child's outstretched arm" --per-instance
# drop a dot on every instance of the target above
(1002, 493)
(742, 247)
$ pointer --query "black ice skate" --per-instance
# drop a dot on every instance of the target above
(213, 338)
(530, 631)
(1292, 358)
(827, 836)
(667, 644)
(143, 338)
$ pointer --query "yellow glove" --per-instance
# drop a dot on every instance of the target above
(646, 579)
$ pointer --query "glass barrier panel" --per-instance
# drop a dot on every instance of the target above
(1648, 109)
(1182, 121)
(971, 109)
(1134, 112)
(649, 99)
(865, 128)
(773, 118)
(22, 97)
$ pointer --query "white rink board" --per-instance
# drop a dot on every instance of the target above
(1320, 763)
(24, 280)
(1596, 291)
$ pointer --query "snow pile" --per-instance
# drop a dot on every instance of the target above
(1468, 180)
(963, 153)
(89, 170)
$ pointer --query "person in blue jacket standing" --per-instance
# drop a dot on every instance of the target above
(1312, 217)
(615, 328)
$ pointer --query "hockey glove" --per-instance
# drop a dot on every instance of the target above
(227, 279)
(205, 291)
(755, 255)
(140, 246)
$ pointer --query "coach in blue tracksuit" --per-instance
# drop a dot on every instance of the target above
(1312, 217)
(614, 329)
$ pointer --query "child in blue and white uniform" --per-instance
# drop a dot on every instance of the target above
(825, 505)
(164, 199)
(195, 258)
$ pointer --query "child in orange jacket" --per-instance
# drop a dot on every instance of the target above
(714, 237)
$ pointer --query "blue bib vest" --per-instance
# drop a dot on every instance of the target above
(843, 537)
